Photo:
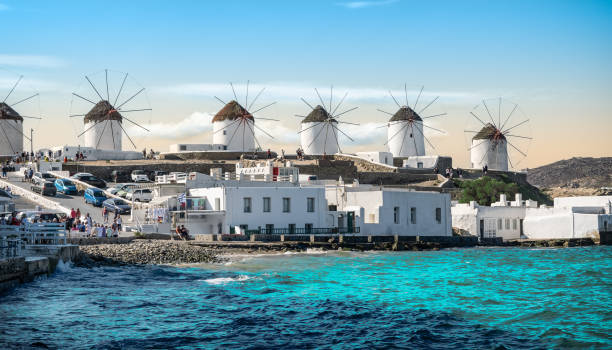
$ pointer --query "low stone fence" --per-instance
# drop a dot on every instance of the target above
(99, 240)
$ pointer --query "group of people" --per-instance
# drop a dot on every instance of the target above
(150, 155)
(449, 173)
(93, 229)
(182, 232)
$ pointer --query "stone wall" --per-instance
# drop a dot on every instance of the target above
(211, 155)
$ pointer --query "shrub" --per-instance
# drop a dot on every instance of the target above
(486, 190)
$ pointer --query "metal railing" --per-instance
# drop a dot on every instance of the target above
(304, 231)
(10, 241)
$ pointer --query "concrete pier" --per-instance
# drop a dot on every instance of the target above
(39, 260)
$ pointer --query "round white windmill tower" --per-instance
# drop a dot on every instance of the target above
(489, 148)
(318, 134)
(103, 127)
(405, 133)
(319, 129)
(11, 134)
(233, 127)
(500, 141)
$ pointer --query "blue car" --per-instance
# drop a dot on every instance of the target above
(94, 196)
(65, 186)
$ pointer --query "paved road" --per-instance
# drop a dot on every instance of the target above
(70, 202)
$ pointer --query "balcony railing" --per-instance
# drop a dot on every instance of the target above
(304, 231)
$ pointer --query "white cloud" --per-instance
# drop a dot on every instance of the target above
(364, 4)
(289, 91)
(30, 61)
(195, 124)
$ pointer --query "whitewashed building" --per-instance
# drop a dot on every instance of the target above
(377, 157)
(502, 219)
(571, 217)
(91, 153)
(195, 147)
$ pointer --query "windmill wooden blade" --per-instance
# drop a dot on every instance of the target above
(393, 97)
(135, 110)
(336, 138)
(262, 108)
(138, 125)
(406, 92)
(429, 104)
(392, 137)
(107, 94)
(23, 100)
(246, 99)
(508, 117)
(380, 110)
(126, 134)
(489, 113)
(86, 130)
(227, 126)
(418, 97)
(233, 91)
(262, 130)
(341, 122)
(339, 103)
(522, 137)
(113, 134)
(83, 98)
(19, 131)
(348, 110)
(234, 134)
(254, 138)
(519, 124)
(426, 139)
(129, 99)
(316, 136)
(310, 127)
(94, 88)
(220, 100)
(8, 140)
(475, 116)
(256, 97)
(275, 120)
(12, 89)
(433, 128)
(102, 133)
(320, 98)
(435, 115)
(120, 89)
(343, 133)
(308, 104)
(478, 144)
(518, 150)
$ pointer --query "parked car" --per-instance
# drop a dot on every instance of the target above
(139, 176)
(124, 190)
(65, 186)
(139, 195)
(45, 188)
(94, 196)
(115, 189)
(4, 193)
(40, 215)
(117, 206)
(90, 180)
(156, 173)
(42, 176)
(120, 176)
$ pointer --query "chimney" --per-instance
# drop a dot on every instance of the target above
(518, 198)
(502, 199)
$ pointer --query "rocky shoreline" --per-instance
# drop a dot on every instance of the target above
(142, 252)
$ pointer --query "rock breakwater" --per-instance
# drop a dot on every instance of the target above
(139, 252)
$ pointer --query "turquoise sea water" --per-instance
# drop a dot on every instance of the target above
(449, 299)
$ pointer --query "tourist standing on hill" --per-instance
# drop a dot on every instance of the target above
(268, 154)
(105, 215)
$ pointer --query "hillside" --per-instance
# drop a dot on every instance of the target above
(573, 173)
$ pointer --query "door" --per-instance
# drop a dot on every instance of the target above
(481, 228)
(521, 227)
(350, 221)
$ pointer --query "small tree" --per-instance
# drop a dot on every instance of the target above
(486, 190)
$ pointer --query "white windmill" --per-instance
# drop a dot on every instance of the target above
(320, 128)
(11, 122)
(103, 123)
(490, 146)
(405, 137)
(234, 126)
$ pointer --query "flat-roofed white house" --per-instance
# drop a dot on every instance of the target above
(502, 219)
(571, 217)
(390, 211)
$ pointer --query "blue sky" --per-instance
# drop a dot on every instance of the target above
(551, 57)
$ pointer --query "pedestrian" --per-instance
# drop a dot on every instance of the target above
(269, 154)
(78, 213)
(119, 223)
(105, 215)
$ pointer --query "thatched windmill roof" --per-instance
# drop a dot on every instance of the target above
(231, 111)
(489, 132)
(7, 113)
(103, 110)
(405, 114)
(318, 115)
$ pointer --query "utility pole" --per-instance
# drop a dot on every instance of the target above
(31, 144)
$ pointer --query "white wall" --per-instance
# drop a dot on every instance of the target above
(195, 147)
(583, 201)
(468, 216)
(403, 141)
(105, 135)
(563, 223)
(378, 210)
(318, 139)
(11, 141)
(427, 162)
(377, 157)
(94, 154)
(240, 134)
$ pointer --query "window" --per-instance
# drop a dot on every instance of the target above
(247, 204)
(332, 207)
(396, 215)
(269, 228)
(183, 147)
(310, 204)
(499, 224)
(413, 215)
(439, 215)
(266, 204)
(244, 227)
(217, 203)
(224, 132)
(507, 224)
(514, 224)
(291, 228)
(286, 205)
(308, 228)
